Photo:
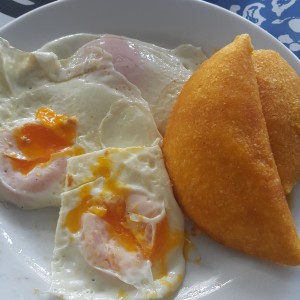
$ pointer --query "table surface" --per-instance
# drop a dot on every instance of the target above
(281, 18)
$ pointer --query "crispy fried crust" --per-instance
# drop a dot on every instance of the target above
(219, 158)
(279, 89)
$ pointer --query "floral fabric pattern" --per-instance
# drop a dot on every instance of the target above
(281, 18)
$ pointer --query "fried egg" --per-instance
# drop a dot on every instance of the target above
(158, 73)
(79, 91)
(102, 91)
(120, 230)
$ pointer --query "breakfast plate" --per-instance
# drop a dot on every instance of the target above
(213, 271)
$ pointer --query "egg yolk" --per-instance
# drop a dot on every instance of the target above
(39, 141)
(114, 213)
(165, 241)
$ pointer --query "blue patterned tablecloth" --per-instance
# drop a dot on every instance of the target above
(279, 17)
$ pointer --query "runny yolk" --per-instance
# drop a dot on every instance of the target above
(103, 167)
(165, 240)
(114, 213)
(39, 141)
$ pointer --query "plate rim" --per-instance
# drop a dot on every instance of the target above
(281, 48)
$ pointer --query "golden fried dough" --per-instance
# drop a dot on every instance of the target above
(279, 89)
(218, 155)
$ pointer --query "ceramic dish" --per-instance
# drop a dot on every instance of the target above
(26, 237)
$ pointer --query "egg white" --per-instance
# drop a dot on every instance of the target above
(157, 72)
(76, 76)
(144, 173)
(82, 87)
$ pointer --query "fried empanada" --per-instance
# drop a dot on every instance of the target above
(279, 89)
(219, 158)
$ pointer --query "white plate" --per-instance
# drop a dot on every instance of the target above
(26, 237)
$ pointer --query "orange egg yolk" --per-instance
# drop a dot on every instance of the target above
(114, 213)
(45, 139)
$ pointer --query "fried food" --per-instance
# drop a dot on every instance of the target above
(279, 89)
(219, 158)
